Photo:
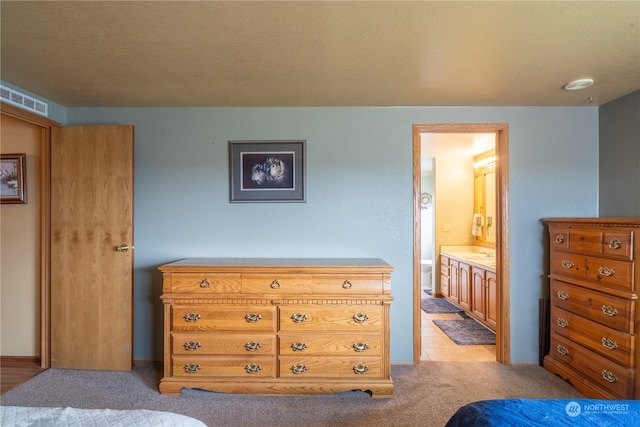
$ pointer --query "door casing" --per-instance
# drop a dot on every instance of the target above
(45, 214)
(501, 130)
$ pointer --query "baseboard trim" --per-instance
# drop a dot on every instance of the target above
(19, 361)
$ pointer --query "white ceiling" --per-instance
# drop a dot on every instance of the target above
(320, 53)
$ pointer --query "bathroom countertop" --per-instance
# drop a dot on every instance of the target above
(478, 255)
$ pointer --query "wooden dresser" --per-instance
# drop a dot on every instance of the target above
(277, 326)
(595, 319)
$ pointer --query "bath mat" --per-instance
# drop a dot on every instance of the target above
(466, 332)
(438, 305)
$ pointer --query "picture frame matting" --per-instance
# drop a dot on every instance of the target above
(267, 171)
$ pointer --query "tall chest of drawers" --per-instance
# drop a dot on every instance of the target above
(595, 318)
(277, 326)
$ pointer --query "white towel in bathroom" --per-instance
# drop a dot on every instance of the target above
(476, 227)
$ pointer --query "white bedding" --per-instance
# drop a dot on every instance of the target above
(19, 416)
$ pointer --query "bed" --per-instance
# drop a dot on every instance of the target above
(524, 412)
(19, 416)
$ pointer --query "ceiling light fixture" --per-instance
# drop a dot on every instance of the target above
(578, 84)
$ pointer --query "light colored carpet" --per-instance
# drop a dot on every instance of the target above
(424, 395)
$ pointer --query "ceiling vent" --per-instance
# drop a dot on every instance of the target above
(21, 100)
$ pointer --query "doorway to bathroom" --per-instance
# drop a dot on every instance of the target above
(443, 154)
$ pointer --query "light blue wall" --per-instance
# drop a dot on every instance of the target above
(359, 197)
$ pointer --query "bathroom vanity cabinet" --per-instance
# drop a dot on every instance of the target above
(471, 286)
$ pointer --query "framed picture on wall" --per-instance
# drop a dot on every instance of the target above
(267, 171)
(13, 178)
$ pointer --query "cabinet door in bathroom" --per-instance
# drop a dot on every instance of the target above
(478, 282)
(464, 286)
(445, 276)
(491, 311)
(455, 280)
(484, 296)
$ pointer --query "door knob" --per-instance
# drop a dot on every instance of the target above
(122, 248)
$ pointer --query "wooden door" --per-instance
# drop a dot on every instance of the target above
(91, 274)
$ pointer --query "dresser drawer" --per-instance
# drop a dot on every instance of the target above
(602, 371)
(347, 318)
(559, 237)
(600, 241)
(330, 367)
(605, 309)
(213, 317)
(203, 343)
(615, 345)
(276, 283)
(206, 283)
(569, 264)
(223, 366)
(347, 284)
(330, 344)
(613, 273)
(586, 240)
(618, 244)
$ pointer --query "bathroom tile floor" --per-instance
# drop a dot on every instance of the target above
(436, 346)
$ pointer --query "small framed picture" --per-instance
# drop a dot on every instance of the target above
(267, 171)
(13, 178)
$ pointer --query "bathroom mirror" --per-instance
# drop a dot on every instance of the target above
(485, 197)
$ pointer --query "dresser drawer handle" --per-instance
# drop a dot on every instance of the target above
(192, 346)
(609, 311)
(253, 346)
(360, 347)
(606, 271)
(299, 346)
(252, 317)
(615, 244)
(347, 284)
(567, 263)
(559, 238)
(205, 284)
(192, 368)
(609, 343)
(299, 318)
(609, 376)
(299, 369)
(562, 323)
(275, 284)
(192, 317)
(562, 349)
(563, 295)
(360, 369)
(253, 368)
(360, 317)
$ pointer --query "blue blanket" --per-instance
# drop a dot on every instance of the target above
(523, 412)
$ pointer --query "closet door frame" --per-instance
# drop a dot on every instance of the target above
(45, 219)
